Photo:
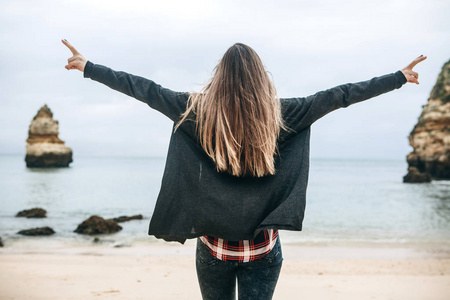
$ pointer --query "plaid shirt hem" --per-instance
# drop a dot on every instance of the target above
(241, 251)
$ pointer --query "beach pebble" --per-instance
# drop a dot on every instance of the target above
(120, 245)
(97, 225)
(37, 231)
(97, 240)
(1, 242)
(33, 213)
(126, 218)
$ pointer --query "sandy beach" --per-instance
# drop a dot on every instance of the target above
(167, 271)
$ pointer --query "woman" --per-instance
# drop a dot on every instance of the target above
(237, 165)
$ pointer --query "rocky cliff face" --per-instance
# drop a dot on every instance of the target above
(430, 138)
(44, 148)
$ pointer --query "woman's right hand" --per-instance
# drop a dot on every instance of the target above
(77, 61)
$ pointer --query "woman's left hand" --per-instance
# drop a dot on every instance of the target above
(410, 75)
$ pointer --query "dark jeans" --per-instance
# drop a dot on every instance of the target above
(256, 279)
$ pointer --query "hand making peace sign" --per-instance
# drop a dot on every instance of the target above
(410, 75)
(77, 61)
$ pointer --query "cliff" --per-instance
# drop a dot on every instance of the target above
(430, 137)
(44, 148)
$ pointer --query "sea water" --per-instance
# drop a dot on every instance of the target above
(348, 201)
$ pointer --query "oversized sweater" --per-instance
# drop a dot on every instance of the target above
(196, 200)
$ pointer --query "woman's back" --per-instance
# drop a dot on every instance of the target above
(195, 199)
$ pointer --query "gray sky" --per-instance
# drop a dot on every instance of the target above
(307, 46)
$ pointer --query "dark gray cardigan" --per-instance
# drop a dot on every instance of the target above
(196, 200)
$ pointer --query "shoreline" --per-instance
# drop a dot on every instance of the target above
(297, 250)
(167, 271)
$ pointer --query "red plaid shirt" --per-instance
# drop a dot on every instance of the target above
(241, 251)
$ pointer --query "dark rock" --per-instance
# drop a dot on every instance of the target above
(48, 160)
(32, 213)
(37, 231)
(126, 218)
(1, 243)
(96, 240)
(97, 225)
(415, 176)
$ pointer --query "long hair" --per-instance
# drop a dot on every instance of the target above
(238, 115)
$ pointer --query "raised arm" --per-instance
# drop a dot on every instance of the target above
(302, 112)
(168, 102)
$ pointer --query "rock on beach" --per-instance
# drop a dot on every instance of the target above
(127, 218)
(33, 213)
(97, 225)
(37, 231)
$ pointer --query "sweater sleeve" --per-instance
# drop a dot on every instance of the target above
(302, 112)
(170, 103)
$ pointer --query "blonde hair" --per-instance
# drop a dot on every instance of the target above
(238, 115)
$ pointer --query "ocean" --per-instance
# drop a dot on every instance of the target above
(349, 201)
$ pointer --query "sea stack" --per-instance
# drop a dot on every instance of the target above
(430, 137)
(44, 148)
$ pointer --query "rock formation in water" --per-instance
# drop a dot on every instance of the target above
(33, 213)
(44, 148)
(430, 138)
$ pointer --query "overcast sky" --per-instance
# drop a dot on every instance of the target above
(307, 46)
